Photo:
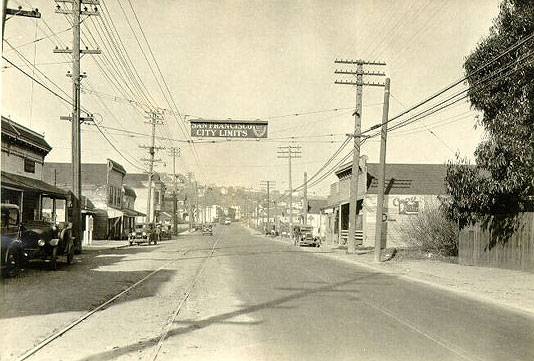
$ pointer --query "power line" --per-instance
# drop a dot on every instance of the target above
(68, 101)
(449, 101)
(37, 81)
(457, 82)
(42, 38)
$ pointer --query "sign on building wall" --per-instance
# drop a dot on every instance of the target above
(204, 128)
(407, 205)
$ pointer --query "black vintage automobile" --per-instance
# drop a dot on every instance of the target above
(47, 241)
(143, 233)
(207, 230)
(12, 251)
(303, 236)
(24, 242)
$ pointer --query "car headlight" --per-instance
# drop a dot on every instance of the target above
(54, 242)
(41, 242)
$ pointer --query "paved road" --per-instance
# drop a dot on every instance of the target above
(234, 296)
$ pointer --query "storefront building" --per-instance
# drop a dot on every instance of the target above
(409, 188)
(103, 185)
(23, 154)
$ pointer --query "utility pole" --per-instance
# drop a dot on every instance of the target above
(290, 152)
(174, 152)
(305, 205)
(197, 211)
(382, 175)
(76, 11)
(16, 12)
(154, 118)
(359, 73)
(189, 201)
(268, 184)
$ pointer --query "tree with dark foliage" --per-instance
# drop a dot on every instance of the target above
(502, 181)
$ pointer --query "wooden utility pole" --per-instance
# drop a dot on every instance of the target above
(75, 11)
(290, 152)
(174, 152)
(305, 205)
(189, 201)
(382, 175)
(154, 118)
(197, 211)
(359, 73)
(268, 184)
(16, 12)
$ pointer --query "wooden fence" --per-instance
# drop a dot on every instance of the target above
(516, 253)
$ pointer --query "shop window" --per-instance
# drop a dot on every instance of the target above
(29, 166)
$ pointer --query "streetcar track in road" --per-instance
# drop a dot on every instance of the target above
(182, 302)
(102, 306)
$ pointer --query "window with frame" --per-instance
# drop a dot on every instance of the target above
(29, 165)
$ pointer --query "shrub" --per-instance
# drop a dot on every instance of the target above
(431, 231)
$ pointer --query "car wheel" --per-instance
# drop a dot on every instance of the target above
(77, 247)
(53, 260)
(70, 254)
(13, 264)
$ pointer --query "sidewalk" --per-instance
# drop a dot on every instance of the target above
(98, 244)
(508, 288)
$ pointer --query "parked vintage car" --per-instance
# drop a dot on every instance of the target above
(165, 231)
(303, 236)
(207, 230)
(47, 241)
(144, 233)
(12, 251)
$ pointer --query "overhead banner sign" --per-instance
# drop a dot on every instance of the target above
(205, 128)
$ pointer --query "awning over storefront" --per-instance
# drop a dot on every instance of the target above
(30, 184)
(133, 213)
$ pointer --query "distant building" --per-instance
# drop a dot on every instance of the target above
(23, 155)
(314, 218)
(409, 188)
(139, 183)
(103, 185)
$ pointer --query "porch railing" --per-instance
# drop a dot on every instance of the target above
(345, 235)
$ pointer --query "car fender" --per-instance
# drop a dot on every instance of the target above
(14, 248)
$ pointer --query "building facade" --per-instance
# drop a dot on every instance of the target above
(23, 156)
(409, 188)
(102, 185)
(138, 182)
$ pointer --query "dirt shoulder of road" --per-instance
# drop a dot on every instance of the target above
(508, 288)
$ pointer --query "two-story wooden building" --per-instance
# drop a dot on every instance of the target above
(23, 155)
(139, 183)
(103, 185)
(409, 188)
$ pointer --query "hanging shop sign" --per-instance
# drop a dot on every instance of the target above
(205, 128)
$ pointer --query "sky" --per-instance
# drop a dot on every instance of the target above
(267, 60)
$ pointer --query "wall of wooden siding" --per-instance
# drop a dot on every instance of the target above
(517, 253)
